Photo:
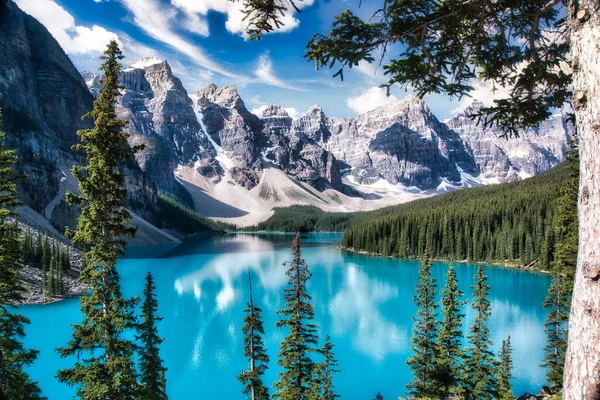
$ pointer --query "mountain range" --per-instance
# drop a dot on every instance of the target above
(210, 151)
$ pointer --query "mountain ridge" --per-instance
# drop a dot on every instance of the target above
(211, 152)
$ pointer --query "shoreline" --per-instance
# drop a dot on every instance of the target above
(492, 263)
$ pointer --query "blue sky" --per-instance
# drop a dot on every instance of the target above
(204, 42)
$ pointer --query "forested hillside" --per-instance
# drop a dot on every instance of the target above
(510, 222)
(492, 223)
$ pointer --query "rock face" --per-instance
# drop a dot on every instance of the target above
(247, 143)
(161, 118)
(503, 159)
(43, 98)
(212, 133)
(92, 80)
(403, 143)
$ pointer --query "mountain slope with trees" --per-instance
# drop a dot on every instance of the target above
(512, 222)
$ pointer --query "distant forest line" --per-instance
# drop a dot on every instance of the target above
(511, 222)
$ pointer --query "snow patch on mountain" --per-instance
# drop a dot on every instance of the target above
(143, 63)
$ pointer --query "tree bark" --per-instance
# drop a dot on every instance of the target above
(582, 365)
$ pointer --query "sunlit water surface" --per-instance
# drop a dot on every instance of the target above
(364, 303)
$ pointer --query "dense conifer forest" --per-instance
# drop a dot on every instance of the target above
(176, 214)
(512, 222)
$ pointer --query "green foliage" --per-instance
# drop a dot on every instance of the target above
(11, 291)
(254, 350)
(446, 45)
(424, 336)
(493, 223)
(265, 16)
(506, 364)
(294, 357)
(558, 301)
(442, 47)
(175, 214)
(324, 389)
(14, 382)
(104, 366)
(153, 385)
(305, 219)
(379, 396)
(450, 353)
(51, 257)
(480, 364)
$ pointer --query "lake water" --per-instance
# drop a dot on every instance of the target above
(364, 303)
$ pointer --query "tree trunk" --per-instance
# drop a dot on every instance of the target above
(582, 365)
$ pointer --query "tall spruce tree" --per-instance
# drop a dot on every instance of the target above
(424, 336)
(480, 363)
(254, 350)
(323, 381)
(450, 352)
(52, 279)
(558, 301)
(14, 381)
(505, 371)
(104, 366)
(153, 384)
(294, 357)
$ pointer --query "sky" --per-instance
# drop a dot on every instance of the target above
(204, 41)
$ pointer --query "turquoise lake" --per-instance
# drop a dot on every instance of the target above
(364, 303)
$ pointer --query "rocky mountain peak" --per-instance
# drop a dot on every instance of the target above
(224, 96)
(472, 108)
(274, 111)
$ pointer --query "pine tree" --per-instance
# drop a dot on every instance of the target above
(424, 336)
(557, 304)
(152, 371)
(505, 372)
(14, 382)
(558, 301)
(45, 280)
(38, 248)
(480, 364)
(379, 396)
(296, 380)
(450, 352)
(52, 279)
(107, 369)
(254, 350)
(46, 252)
(323, 382)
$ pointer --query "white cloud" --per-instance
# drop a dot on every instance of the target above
(370, 99)
(292, 112)
(485, 93)
(266, 74)
(157, 22)
(258, 111)
(367, 68)
(193, 23)
(133, 50)
(235, 17)
(74, 39)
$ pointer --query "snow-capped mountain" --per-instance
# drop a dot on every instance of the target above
(210, 140)
(207, 147)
